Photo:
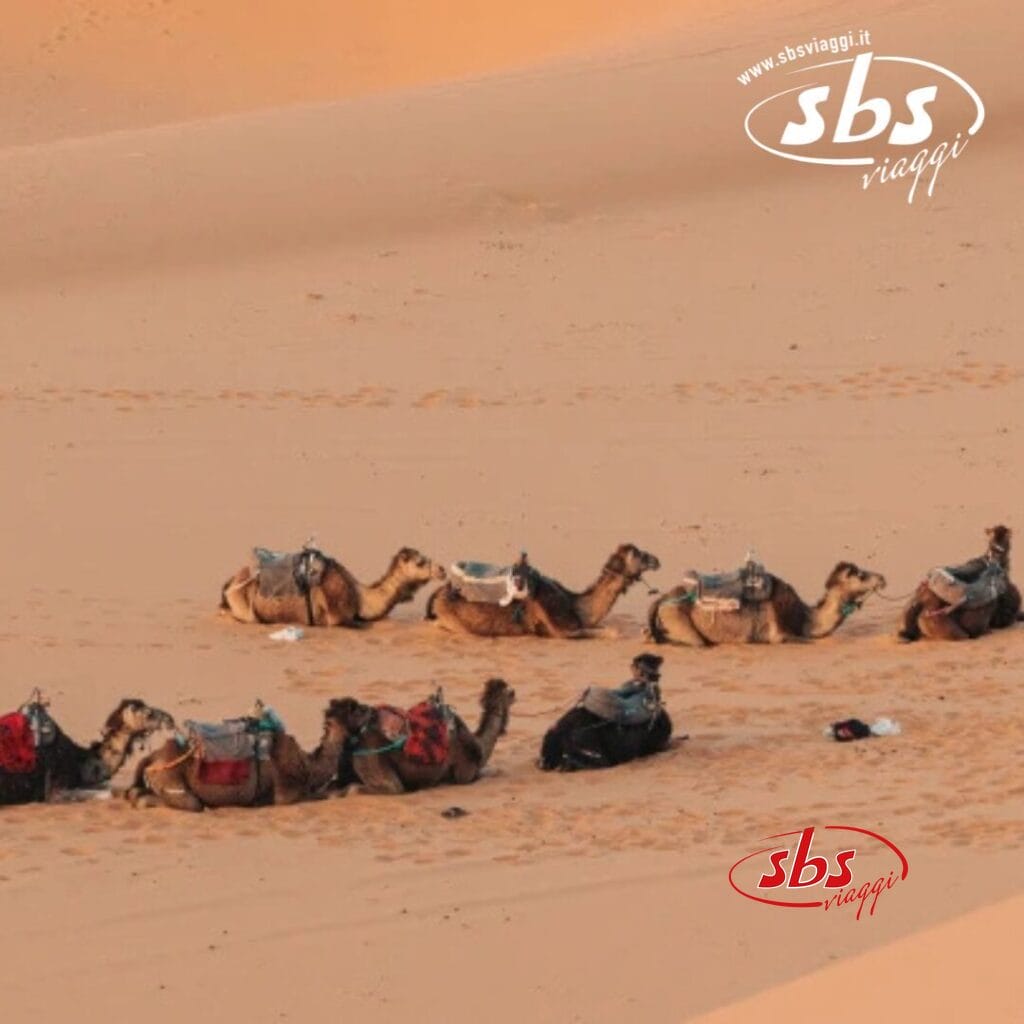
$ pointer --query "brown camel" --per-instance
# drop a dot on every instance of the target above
(382, 766)
(171, 776)
(677, 618)
(550, 609)
(336, 599)
(931, 617)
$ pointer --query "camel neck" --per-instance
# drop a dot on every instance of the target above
(113, 749)
(493, 723)
(827, 615)
(377, 599)
(597, 600)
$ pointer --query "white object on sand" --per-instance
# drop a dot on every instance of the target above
(289, 633)
(885, 727)
(77, 796)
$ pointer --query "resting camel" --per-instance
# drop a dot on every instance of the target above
(931, 617)
(581, 738)
(549, 609)
(337, 599)
(384, 768)
(677, 618)
(62, 764)
(170, 776)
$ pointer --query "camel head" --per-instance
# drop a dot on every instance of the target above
(853, 583)
(348, 715)
(136, 718)
(337, 722)
(498, 698)
(999, 544)
(415, 569)
(631, 563)
(647, 667)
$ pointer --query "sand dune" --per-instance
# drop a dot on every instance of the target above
(395, 300)
(951, 972)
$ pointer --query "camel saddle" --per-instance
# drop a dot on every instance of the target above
(948, 585)
(227, 751)
(728, 592)
(423, 732)
(632, 703)
(484, 583)
(289, 575)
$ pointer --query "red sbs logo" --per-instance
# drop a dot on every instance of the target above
(795, 876)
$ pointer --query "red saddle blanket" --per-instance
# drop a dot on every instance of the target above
(17, 744)
(425, 728)
(224, 773)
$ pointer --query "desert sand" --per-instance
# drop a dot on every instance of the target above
(478, 279)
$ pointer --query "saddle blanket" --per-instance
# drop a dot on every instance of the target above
(424, 727)
(227, 750)
(727, 592)
(484, 583)
(287, 575)
(627, 705)
(17, 744)
(988, 587)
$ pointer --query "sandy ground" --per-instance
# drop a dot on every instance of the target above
(557, 306)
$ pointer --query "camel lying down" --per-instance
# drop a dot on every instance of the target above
(967, 600)
(610, 727)
(396, 760)
(326, 593)
(548, 609)
(178, 777)
(680, 616)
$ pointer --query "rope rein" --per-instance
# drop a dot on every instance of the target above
(170, 764)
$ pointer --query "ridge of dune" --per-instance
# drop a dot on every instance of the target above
(81, 66)
(963, 969)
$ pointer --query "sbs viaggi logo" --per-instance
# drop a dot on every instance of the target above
(865, 867)
(896, 118)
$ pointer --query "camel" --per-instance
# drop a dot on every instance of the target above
(550, 609)
(930, 617)
(677, 618)
(63, 764)
(171, 777)
(582, 738)
(337, 598)
(383, 767)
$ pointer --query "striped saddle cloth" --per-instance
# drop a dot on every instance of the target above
(423, 731)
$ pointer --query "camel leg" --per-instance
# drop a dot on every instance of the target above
(941, 627)
(175, 796)
(448, 620)
(544, 625)
(170, 792)
(681, 630)
(909, 629)
(237, 598)
(379, 777)
(468, 758)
